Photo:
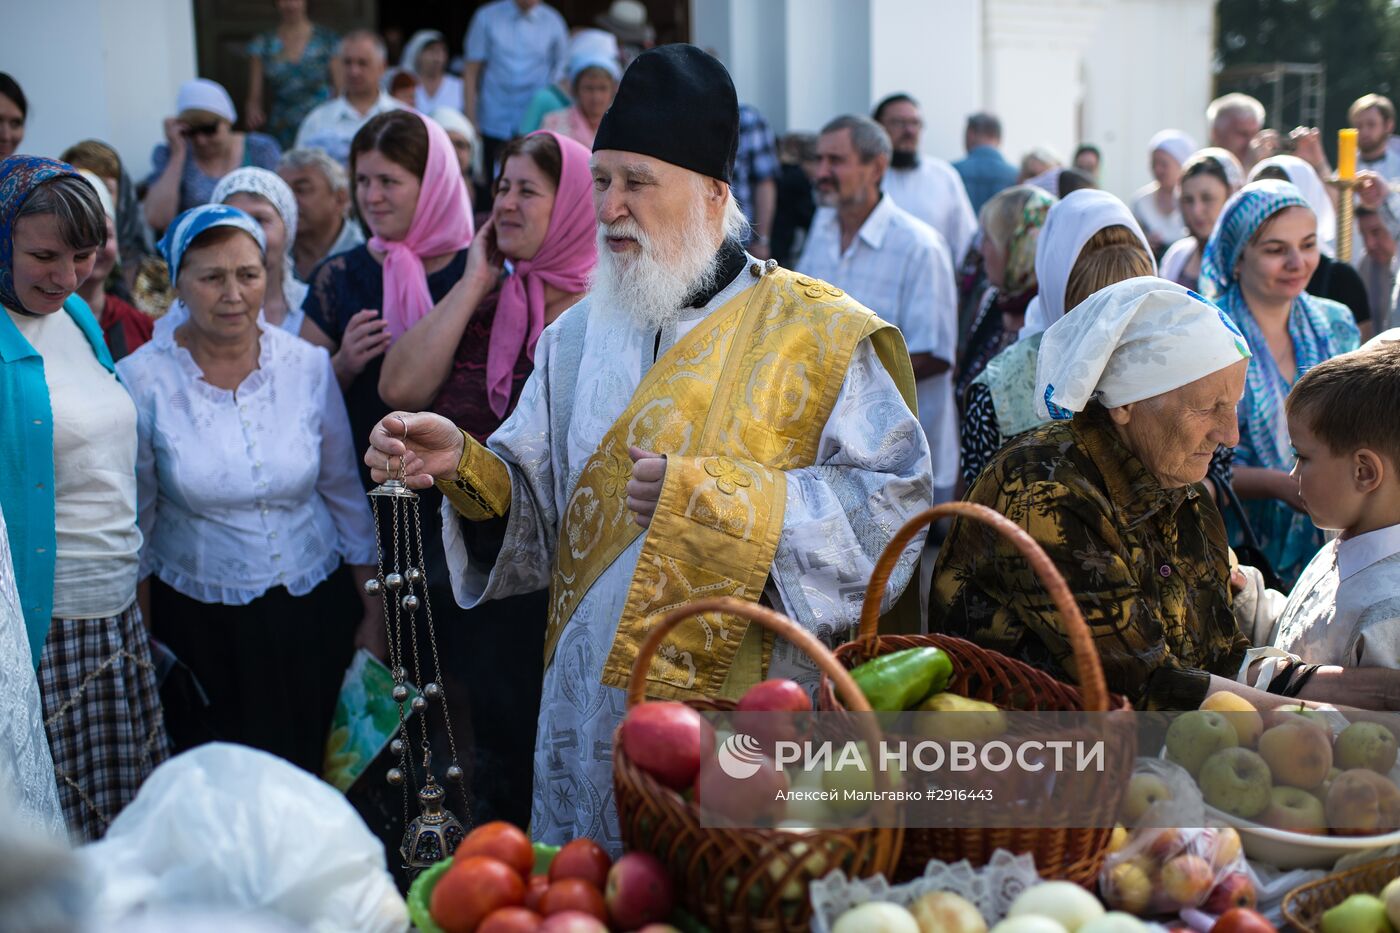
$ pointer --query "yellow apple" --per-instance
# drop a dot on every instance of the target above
(1298, 754)
(1143, 791)
(946, 912)
(1187, 879)
(1242, 715)
(1129, 887)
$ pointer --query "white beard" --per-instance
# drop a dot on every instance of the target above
(648, 289)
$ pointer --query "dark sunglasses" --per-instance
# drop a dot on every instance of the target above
(205, 129)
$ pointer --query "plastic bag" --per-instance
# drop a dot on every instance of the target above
(229, 827)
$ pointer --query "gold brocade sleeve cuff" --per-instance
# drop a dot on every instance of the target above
(481, 489)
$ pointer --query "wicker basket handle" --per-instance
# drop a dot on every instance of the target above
(775, 622)
(1086, 655)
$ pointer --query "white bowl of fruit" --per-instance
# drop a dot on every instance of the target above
(1303, 787)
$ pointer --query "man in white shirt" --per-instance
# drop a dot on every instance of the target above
(894, 264)
(926, 187)
(332, 125)
(1373, 116)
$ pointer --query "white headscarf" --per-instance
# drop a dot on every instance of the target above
(1131, 341)
(1305, 179)
(1071, 223)
(423, 38)
(1174, 143)
(104, 196)
(270, 187)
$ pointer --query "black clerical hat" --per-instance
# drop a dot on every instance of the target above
(677, 104)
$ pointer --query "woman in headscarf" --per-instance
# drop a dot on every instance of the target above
(254, 536)
(265, 197)
(1154, 205)
(1090, 240)
(465, 142)
(1332, 279)
(124, 328)
(425, 57)
(1011, 224)
(1257, 266)
(68, 491)
(1208, 179)
(593, 82)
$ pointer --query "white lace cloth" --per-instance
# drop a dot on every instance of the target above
(26, 769)
(242, 491)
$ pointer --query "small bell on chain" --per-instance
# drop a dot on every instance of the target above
(434, 834)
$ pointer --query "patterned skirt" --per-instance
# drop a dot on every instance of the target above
(102, 714)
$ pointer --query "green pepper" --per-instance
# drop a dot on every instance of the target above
(902, 679)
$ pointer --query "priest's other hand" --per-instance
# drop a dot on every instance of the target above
(644, 488)
(419, 447)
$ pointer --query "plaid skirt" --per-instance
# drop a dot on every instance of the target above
(102, 715)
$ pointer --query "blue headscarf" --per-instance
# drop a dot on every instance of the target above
(195, 221)
(19, 176)
(1320, 329)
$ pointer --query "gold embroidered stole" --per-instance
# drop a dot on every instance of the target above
(741, 399)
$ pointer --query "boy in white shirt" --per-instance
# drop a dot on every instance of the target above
(1345, 609)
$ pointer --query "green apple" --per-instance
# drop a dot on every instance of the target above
(1144, 790)
(1237, 781)
(1366, 745)
(1195, 736)
(1360, 913)
(1390, 895)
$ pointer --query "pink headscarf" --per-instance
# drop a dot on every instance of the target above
(442, 223)
(565, 259)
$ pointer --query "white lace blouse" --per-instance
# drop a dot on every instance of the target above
(246, 490)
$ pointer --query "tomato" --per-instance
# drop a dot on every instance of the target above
(574, 894)
(511, 920)
(472, 889)
(534, 890)
(581, 858)
(500, 840)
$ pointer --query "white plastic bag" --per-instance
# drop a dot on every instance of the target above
(229, 827)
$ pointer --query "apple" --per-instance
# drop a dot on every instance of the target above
(664, 739)
(1237, 781)
(775, 696)
(1227, 847)
(1390, 894)
(946, 912)
(1187, 879)
(1115, 922)
(1366, 745)
(1240, 713)
(1296, 811)
(1165, 844)
(1243, 920)
(1144, 790)
(1234, 890)
(1062, 901)
(638, 891)
(1360, 913)
(876, 917)
(1118, 839)
(1129, 887)
(1195, 736)
(571, 921)
(1362, 803)
(1298, 754)
(752, 801)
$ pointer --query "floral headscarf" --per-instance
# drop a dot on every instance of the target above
(1020, 245)
(19, 176)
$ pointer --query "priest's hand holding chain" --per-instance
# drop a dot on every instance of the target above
(418, 447)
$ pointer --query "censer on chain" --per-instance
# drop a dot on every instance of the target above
(435, 832)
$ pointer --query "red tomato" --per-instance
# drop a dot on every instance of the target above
(511, 920)
(581, 858)
(534, 890)
(574, 894)
(471, 889)
(500, 840)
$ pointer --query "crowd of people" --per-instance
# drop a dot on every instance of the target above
(632, 349)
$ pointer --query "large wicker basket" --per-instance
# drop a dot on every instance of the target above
(734, 878)
(1304, 906)
(1073, 854)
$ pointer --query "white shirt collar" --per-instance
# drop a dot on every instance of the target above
(1356, 554)
(875, 226)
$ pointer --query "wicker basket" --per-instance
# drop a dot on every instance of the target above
(1071, 854)
(734, 879)
(1304, 905)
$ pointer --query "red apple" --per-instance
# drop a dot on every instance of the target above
(1242, 920)
(664, 739)
(751, 801)
(1234, 890)
(581, 858)
(639, 891)
(572, 921)
(773, 696)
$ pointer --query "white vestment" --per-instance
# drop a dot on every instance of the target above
(871, 475)
(933, 191)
